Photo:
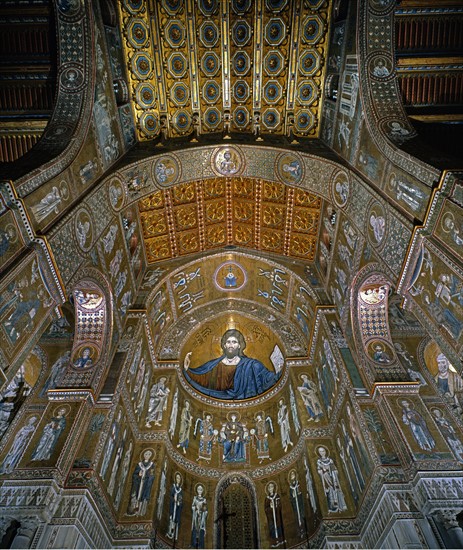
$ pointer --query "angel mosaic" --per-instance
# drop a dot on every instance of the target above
(208, 435)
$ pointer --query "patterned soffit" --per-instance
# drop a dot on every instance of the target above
(217, 212)
(199, 67)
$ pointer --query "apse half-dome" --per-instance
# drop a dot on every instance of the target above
(232, 358)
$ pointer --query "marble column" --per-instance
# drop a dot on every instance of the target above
(26, 531)
(5, 522)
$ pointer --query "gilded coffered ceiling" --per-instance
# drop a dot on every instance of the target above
(246, 212)
(199, 67)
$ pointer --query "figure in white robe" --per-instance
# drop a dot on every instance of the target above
(285, 428)
(20, 442)
(329, 476)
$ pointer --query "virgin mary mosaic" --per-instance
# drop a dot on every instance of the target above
(233, 374)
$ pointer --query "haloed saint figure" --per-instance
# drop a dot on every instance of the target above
(233, 375)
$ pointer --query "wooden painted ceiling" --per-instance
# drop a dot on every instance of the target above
(245, 212)
(199, 67)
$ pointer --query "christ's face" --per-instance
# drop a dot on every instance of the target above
(232, 347)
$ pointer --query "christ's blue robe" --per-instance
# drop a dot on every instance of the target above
(251, 378)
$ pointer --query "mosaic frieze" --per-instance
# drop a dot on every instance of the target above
(25, 306)
(344, 264)
(326, 371)
(418, 428)
(449, 228)
(441, 305)
(11, 240)
(353, 451)
(39, 441)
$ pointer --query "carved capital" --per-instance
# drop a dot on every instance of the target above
(448, 518)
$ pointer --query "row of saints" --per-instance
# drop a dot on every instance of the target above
(274, 505)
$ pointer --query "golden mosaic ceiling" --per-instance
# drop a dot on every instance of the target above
(225, 66)
(209, 214)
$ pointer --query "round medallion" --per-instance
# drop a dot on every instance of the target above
(289, 168)
(116, 194)
(376, 225)
(230, 277)
(8, 235)
(227, 161)
(69, 8)
(166, 170)
(382, 6)
(340, 188)
(72, 78)
(84, 229)
(380, 352)
(84, 357)
(380, 67)
(397, 130)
